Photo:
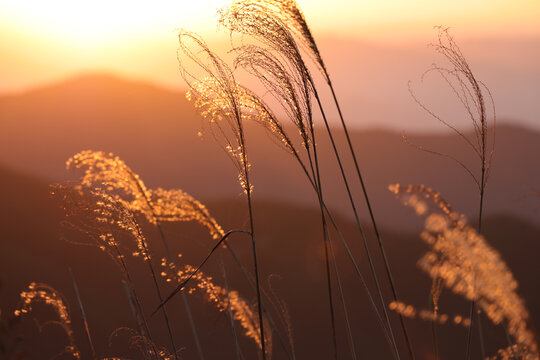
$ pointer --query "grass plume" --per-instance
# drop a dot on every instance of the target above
(38, 292)
(468, 265)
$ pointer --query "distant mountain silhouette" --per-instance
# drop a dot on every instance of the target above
(155, 132)
(32, 249)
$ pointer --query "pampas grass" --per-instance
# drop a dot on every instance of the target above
(466, 264)
(38, 292)
(110, 199)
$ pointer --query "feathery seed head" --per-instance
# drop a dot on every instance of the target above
(220, 99)
(217, 295)
(102, 218)
(44, 293)
(272, 22)
(114, 176)
(290, 88)
(464, 261)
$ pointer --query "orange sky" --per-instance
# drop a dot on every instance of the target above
(43, 41)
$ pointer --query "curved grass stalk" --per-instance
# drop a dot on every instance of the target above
(314, 164)
(184, 282)
(342, 298)
(278, 130)
(353, 261)
(470, 93)
(290, 14)
(229, 308)
(360, 228)
(293, 92)
(266, 66)
(83, 315)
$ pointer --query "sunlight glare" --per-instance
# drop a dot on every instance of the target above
(99, 22)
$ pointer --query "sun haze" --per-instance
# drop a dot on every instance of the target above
(46, 41)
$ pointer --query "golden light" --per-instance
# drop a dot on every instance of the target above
(43, 41)
(105, 21)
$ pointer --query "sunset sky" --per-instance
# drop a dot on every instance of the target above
(42, 41)
(46, 42)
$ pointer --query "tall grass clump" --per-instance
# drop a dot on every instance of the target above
(273, 23)
(120, 188)
(466, 264)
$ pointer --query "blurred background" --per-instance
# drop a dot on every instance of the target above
(103, 75)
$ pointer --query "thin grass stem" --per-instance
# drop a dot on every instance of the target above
(480, 210)
(434, 328)
(372, 217)
(357, 219)
(349, 253)
(480, 333)
(256, 268)
(252, 285)
(83, 314)
(317, 178)
(135, 313)
(183, 284)
(231, 317)
(182, 293)
(148, 260)
(342, 298)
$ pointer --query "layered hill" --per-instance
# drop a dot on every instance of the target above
(34, 248)
(155, 132)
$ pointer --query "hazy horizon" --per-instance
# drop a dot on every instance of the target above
(372, 51)
(405, 116)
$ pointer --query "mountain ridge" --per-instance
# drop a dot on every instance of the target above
(155, 132)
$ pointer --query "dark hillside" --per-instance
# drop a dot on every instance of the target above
(291, 261)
